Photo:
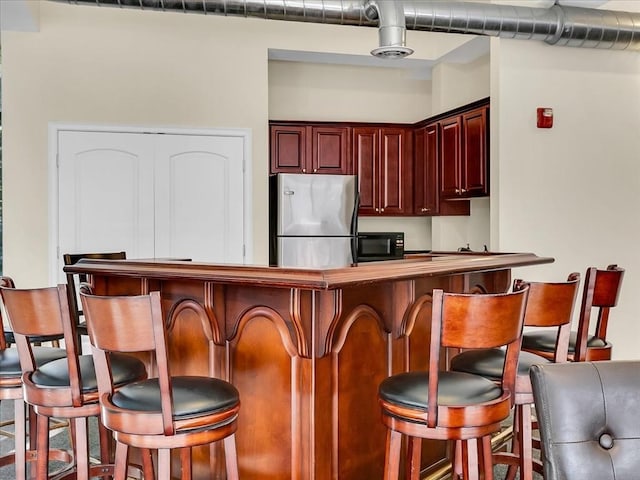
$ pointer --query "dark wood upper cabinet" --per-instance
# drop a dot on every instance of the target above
(288, 148)
(366, 157)
(450, 157)
(428, 168)
(427, 146)
(383, 165)
(310, 149)
(426, 199)
(331, 150)
(474, 153)
(463, 155)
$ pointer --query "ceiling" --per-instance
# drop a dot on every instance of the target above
(23, 15)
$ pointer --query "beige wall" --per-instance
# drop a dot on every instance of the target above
(571, 192)
(306, 91)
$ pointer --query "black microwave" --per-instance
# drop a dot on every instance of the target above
(376, 246)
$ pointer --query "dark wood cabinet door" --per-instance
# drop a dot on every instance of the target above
(427, 146)
(450, 156)
(366, 157)
(474, 153)
(288, 149)
(331, 150)
(395, 180)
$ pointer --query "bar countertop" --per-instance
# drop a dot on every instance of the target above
(427, 265)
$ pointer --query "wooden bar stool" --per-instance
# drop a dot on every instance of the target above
(446, 405)
(73, 286)
(11, 389)
(64, 388)
(600, 293)
(163, 413)
(549, 305)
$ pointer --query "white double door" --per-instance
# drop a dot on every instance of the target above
(151, 195)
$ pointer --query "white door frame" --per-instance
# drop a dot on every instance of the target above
(56, 127)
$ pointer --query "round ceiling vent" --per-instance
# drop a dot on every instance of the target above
(391, 52)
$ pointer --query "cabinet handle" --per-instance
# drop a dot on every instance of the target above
(382, 209)
(377, 209)
(463, 190)
(457, 190)
(315, 170)
(427, 209)
(304, 170)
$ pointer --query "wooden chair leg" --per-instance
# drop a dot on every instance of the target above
(231, 457)
(164, 464)
(414, 446)
(392, 458)
(20, 438)
(526, 447)
(487, 456)
(185, 463)
(105, 439)
(42, 446)
(515, 442)
(147, 463)
(81, 448)
(457, 459)
(122, 460)
(470, 467)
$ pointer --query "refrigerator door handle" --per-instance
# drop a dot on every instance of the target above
(354, 226)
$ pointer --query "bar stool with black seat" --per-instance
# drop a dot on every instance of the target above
(163, 413)
(11, 389)
(64, 388)
(445, 405)
(549, 305)
(600, 293)
(74, 281)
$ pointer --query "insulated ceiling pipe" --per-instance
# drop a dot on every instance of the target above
(392, 31)
(558, 25)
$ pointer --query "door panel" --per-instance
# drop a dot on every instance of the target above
(331, 150)
(393, 171)
(365, 141)
(105, 195)
(450, 157)
(151, 195)
(474, 166)
(199, 198)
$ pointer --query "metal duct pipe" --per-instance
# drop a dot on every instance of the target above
(392, 32)
(558, 25)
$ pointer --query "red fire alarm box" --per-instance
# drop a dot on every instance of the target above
(545, 117)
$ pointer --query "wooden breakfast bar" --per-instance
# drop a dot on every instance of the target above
(305, 348)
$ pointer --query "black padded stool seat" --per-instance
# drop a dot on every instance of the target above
(587, 415)
(545, 341)
(10, 362)
(192, 396)
(126, 369)
(489, 363)
(454, 388)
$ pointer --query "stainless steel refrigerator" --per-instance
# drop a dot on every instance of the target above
(313, 220)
